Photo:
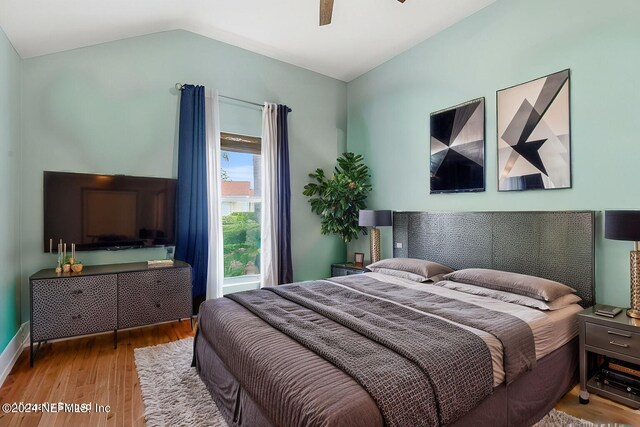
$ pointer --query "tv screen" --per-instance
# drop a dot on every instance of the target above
(108, 211)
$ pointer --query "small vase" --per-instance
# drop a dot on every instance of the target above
(66, 268)
(77, 268)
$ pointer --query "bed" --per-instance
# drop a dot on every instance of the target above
(324, 353)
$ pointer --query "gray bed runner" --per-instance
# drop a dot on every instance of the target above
(514, 334)
(420, 370)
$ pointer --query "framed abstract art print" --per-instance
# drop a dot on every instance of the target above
(534, 137)
(457, 148)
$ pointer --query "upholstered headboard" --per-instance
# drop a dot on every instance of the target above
(554, 245)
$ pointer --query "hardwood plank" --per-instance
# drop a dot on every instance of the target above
(88, 369)
(599, 410)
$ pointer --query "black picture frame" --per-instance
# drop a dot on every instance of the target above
(551, 169)
(457, 148)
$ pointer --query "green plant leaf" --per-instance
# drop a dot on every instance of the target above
(339, 198)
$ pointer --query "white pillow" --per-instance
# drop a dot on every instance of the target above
(557, 304)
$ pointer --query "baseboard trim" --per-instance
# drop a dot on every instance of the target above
(12, 351)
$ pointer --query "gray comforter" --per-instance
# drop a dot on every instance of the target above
(418, 368)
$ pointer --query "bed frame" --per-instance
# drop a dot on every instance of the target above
(554, 245)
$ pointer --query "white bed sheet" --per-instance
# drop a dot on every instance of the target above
(551, 329)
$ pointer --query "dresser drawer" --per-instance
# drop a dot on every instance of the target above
(613, 339)
(152, 296)
(73, 306)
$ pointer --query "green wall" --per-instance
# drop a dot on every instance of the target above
(9, 191)
(112, 108)
(507, 43)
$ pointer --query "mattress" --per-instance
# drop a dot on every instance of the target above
(551, 329)
(260, 376)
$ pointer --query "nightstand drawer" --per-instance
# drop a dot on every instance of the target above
(613, 339)
(345, 271)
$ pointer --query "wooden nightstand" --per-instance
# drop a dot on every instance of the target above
(616, 337)
(346, 269)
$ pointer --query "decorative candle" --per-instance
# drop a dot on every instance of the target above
(50, 246)
(64, 252)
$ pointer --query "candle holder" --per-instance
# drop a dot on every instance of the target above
(59, 255)
(66, 263)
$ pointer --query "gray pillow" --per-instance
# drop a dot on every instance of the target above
(420, 267)
(562, 302)
(522, 284)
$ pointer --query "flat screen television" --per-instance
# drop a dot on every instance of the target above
(108, 211)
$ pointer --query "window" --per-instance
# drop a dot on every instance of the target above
(240, 165)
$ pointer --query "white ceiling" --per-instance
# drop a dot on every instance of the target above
(363, 34)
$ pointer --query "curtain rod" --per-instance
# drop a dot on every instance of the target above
(180, 86)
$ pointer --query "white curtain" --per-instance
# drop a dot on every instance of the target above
(215, 276)
(269, 219)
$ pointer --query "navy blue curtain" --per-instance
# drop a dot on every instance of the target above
(192, 240)
(285, 266)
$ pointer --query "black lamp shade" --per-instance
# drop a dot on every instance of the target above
(369, 218)
(622, 225)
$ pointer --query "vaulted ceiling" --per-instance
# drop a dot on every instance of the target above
(363, 33)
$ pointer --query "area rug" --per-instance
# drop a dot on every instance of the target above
(560, 419)
(174, 395)
(172, 392)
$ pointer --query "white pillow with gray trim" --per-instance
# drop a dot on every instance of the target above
(557, 304)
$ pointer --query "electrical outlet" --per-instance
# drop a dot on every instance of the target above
(398, 245)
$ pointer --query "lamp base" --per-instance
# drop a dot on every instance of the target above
(632, 312)
(375, 245)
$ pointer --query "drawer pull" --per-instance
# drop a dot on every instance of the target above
(79, 316)
(620, 334)
(158, 305)
(77, 292)
(619, 345)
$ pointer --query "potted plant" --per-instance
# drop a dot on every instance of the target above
(71, 264)
(339, 198)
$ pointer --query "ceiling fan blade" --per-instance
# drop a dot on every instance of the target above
(401, 1)
(326, 10)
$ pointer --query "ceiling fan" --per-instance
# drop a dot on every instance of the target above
(326, 10)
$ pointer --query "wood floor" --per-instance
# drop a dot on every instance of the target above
(86, 370)
(600, 410)
(89, 370)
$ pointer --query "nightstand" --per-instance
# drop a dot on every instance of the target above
(616, 337)
(346, 269)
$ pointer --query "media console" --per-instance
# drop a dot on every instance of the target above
(107, 298)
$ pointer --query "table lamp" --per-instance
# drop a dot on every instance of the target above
(625, 225)
(374, 219)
